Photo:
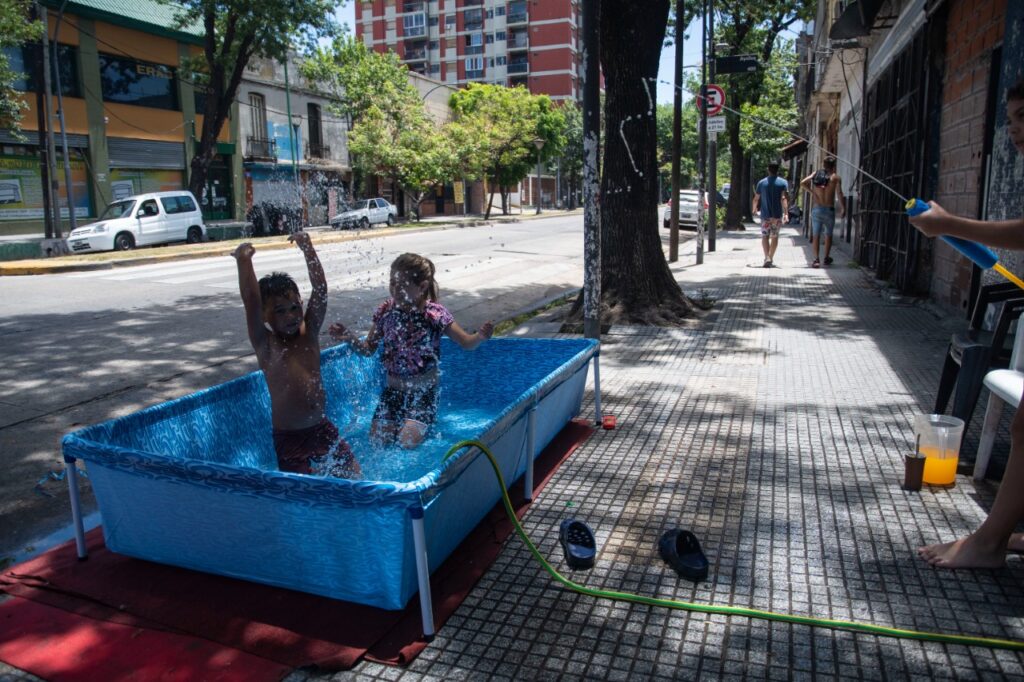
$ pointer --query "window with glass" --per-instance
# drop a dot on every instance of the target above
(258, 115)
(23, 58)
(414, 24)
(143, 84)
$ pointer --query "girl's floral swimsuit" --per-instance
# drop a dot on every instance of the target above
(411, 342)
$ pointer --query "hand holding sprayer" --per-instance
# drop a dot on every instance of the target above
(982, 256)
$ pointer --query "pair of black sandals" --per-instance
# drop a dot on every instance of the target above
(680, 549)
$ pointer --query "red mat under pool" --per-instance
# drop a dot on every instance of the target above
(113, 616)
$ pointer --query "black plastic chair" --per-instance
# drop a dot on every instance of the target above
(972, 353)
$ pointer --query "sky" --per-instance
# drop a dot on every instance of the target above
(691, 52)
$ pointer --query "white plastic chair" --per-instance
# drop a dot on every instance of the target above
(1005, 386)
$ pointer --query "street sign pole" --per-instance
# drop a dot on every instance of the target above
(703, 129)
(713, 190)
(677, 136)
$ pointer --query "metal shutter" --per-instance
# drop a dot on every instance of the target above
(127, 153)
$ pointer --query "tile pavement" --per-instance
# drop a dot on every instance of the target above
(775, 430)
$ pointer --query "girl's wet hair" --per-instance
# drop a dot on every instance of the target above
(276, 284)
(419, 270)
(1016, 91)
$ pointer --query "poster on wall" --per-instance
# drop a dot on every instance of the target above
(126, 182)
(21, 189)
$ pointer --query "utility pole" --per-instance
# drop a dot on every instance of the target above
(713, 175)
(591, 171)
(703, 100)
(291, 143)
(42, 59)
(68, 189)
(677, 135)
(52, 186)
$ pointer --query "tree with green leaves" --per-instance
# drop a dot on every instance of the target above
(572, 154)
(357, 80)
(236, 31)
(16, 29)
(751, 28)
(405, 145)
(503, 123)
(776, 107)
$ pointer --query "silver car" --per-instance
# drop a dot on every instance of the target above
(688, 199)
(366, 212)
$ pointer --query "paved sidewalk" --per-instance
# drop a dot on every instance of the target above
(774, 430)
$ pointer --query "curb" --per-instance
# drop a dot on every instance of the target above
(49, 266)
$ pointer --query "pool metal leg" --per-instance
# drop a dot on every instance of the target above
(419, 540)
(76, 506)
(597, 389)
(531, 443)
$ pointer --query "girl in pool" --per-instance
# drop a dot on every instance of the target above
(409, 325)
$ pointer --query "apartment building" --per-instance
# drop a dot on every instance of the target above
(534, 43)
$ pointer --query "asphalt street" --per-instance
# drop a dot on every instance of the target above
(88, 346)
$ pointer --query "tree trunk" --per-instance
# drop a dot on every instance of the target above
(636, 283)
(734, 210)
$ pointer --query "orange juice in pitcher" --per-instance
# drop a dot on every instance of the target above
(938, 440)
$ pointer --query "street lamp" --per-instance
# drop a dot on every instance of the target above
(539, 144)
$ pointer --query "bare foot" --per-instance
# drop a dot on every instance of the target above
(1016, 543)
(963, 553)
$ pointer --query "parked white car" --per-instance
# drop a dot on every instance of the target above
(688, 199)
(366, 212)
(142, 220)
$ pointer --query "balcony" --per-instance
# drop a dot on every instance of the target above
(474, 75)
(259, 148)
(473, 49)
(418, 54)
(516, 13)
(519, 80)
(518, 67)
(317, 150)
(419, 6)
(472, 3)
(517, 41)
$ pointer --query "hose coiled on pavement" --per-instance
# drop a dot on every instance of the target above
(850, 626)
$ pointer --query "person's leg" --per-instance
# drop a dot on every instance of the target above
(775, 240)
(830, 227)
(412, 434)
(986, 547)
(383, 432)
(764, 245)
(816, 226)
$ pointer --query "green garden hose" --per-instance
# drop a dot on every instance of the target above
(851, 626)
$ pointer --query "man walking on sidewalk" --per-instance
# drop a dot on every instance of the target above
(772, 201)
(824, 185)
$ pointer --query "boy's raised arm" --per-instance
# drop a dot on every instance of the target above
(249, 288)
(317, 308)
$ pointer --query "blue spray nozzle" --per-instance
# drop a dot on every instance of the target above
(982, 256)
(916, 207)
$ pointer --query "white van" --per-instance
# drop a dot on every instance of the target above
(142, 220)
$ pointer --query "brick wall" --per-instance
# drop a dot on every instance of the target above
(974, 28)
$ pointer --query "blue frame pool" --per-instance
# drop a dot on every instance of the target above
(193, 482)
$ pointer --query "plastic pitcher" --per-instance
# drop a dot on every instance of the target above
(938, 441)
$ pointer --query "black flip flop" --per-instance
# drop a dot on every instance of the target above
(578, 544)
(681, 550)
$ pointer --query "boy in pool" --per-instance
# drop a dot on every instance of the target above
(987, 546)
(287, 346)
